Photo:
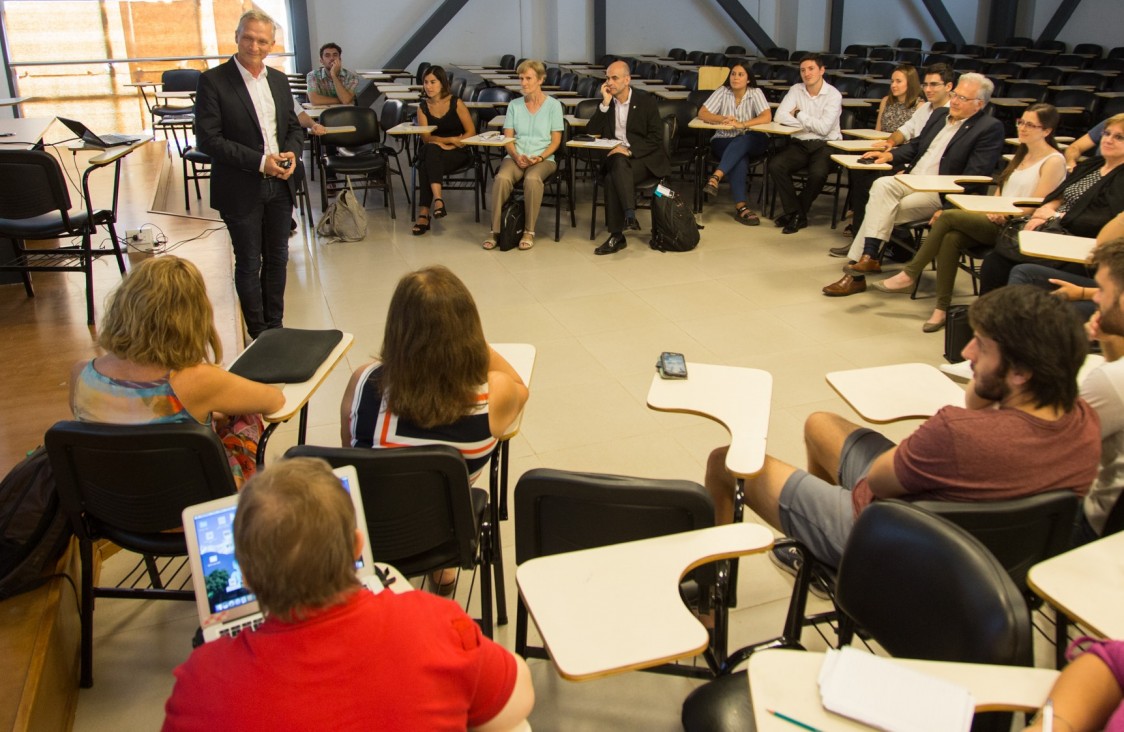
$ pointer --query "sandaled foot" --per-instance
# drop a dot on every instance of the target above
(745, 216)
(439, 211)
(421, 226)
(527, 240)
(711, 188)
(490, 242)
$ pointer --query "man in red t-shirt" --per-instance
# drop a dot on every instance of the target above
(332, 655)
(1023, 430)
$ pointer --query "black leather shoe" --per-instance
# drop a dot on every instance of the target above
(795, 224)
(842, 251)
(612, 245)
(783, 219)
(631, 224)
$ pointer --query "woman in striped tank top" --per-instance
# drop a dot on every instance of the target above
(436, 380)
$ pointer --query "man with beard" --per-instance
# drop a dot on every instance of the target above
(1023, 430)
(1103, 389)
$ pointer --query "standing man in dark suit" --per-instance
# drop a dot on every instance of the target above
(959, 140)
(632, 117)
(244, 120)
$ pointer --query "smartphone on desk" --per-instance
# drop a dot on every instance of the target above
(672, 365)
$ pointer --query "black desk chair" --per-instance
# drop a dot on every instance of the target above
(174, 117)
(922, 587)
(560, 511)
(359, 155)
(129, 484)
(35, 205)
(422, 514)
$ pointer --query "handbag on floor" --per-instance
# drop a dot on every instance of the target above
(345, 219)
(512, 220)
(957, 333)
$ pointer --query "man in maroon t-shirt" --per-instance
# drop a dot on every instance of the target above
(1023, 430)
(331, 654)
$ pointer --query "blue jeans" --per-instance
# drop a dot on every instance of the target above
(260, 239)
(1039, 276)
(733, 155)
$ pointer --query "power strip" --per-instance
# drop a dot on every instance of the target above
(140, 239)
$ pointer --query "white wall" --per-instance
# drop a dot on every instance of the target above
(370, 32)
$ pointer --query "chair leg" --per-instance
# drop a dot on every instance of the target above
(153, 572)
(520, 628)
(117, 251)
(485, 565)
(88, 267)
(86, 552)
(1061, 639)
(186, 196)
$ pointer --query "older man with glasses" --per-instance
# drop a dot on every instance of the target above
(955, 141)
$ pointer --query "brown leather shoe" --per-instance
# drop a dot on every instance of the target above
(866, 265)
(848, 285)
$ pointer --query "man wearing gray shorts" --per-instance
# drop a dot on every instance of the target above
(1023, 430)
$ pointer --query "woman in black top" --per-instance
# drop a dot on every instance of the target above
(443, 150)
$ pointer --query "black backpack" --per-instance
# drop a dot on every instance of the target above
(673, 224)
(512, 222)
(33, 530)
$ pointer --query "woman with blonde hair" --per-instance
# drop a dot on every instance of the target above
(161, 350)
(436, 381)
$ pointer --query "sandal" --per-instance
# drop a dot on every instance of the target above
(490, 242)
(745, 216)
(711, 188)
(439, 212)
(527, 240)
(420, 228)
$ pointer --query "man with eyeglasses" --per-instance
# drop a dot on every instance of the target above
(956, 141)
(937, 87)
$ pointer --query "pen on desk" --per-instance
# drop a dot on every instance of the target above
(790, 720)
(1048, 716)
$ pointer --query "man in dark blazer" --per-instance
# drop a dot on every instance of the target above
(959, 140)
(244, 120)
(632, 117)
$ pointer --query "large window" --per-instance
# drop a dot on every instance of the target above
(77, 57)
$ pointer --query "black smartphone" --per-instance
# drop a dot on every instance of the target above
(672, 365)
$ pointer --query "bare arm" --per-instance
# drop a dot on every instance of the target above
(1077, 148)
(506, 394)
(882, 479)
(1084, 696)
(519, 705)
(205, 389)
(1114, 229)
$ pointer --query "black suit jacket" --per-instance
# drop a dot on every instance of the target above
(644, 131)
(974, 149)
(227, 129)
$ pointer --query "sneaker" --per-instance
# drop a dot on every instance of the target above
(787, 559)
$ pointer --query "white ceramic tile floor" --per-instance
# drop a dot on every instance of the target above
(746, 296)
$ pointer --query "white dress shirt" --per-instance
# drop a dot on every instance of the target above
(930, 161)
(818, 116)
(264, 108)
(913, 126)
(620, 112)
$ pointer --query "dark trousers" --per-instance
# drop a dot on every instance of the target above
(621, 173)
(260, 238)
(995, 271)
(814, 155)
(860, 182)
(434, 162)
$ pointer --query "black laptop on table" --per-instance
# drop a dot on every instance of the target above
(93, 140)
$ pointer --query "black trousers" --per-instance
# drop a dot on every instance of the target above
(433, 163)
(260, 238)
(814, 155)
(621, 173)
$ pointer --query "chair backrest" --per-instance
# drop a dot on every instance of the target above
(908, 56)
(495, 94)
(1051, 74)
(1086, 78)
(909, 43)
(180, 80)
(855, 64)
(678, 54)
(366, 93)
(714, 59)
(689, 79)
(507, 61)
(1020, 41)
(553, 74)
(848, 86)
(924, 588)
(31, 184)
(567, 81)
(972, 49)
(562, 511)
(856, 49)
(1116, 53)
(587, 86)
(882, 53)
(457, 86)
(393, 113)
(646, 70)
(125, 482)
(1071, 60)
(422, 66)
(696, 57)
(967, 64)
(417, 501)
(735, 50)
(882, 69)
(1005, 68)
(1089, 48)
(1027, 90)
(1113, 107)
(364, 120)
(776, 54)
(1020, 532)
(586, 107)
(1050, 45)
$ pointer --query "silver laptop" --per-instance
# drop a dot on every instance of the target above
(225, 605)
(94, 140)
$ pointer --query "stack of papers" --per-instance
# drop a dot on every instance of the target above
(887, 695)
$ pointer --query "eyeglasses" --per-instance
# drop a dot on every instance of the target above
(1115, 136)
(962, 98)
(1028, 125)
(932, 84)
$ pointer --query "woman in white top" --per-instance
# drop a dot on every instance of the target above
(535, 121)
(739, 103)
(1036, 169)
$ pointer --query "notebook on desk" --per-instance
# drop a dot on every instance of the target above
(226, 606)
(87, 135)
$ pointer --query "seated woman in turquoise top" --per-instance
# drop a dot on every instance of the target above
(161, 348)
(535, 121)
